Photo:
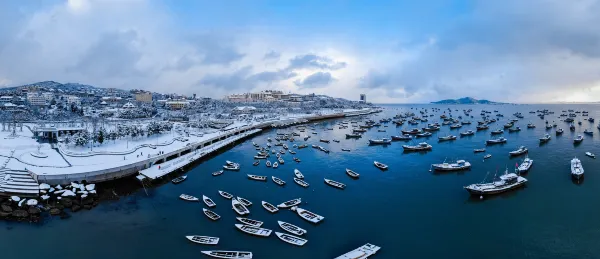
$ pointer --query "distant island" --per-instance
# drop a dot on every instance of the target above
(465, 100)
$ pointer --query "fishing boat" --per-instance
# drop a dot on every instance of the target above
(590, 154)
(257, 177)
(226, 195)
(497, 132)
(203, 240)
(245, 202)
(250, 222)
(280, 161)
(210, 203)
(292, 152)
(530, 126)
(496, 141)
(455, 126)
(239, 208)
(482, 127)
(362, 252)
(324, 140)
(459, 165)
(479, 150)
(301, 182)
(278, 181)
(353, 135)
(260, 157)
(589, 132)
(345, 149)
(411, 132)
(257, 231)
(217, 173)
(424, 135)
(352, 173)
(525, 165)
(576, 168)
(275, 165)
(446, 138)
(507, 182)
(383, 141)
(291, 228)
(516, 129)
(402, 137)
(229, 254)
(227, 162)
(231, 167)
(423, 146)
(578, 139)
(211, 214)
(297, 160)
(309, 216)
(572, 127)
(256, 163)
(269, 207)
(186, 197)
(290, 203)
(520, 151)
(335, 184)
(381, 166)
(268, 163)
(467, 133)
(179, 179)
(298, 174)
(294, 240)
(487, 156)
(559, 132)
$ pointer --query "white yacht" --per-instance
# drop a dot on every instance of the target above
(520, 151)
(576, 168)
(459, 165)
(525, 165)
(507, 182)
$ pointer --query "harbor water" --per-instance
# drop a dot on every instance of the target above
(407, 210)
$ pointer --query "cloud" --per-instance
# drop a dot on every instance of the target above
(272, 55)
(216, 49)
(312, 61)
(273, 76)
(230, 81)
(316, 80)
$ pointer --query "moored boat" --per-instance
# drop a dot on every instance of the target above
(203, 240)
(229, 254)
(301, 182)
(590, 154)
(186, 197)
(244, 201)
(179, 179)
(239, 208)
(487, 156)
(290, 203)
(335, 184)
(423, 146)
(402, 137)
(291, 228)
(309, 216)
(362, 252)
(226, 195)
(467, 133)
(257, 177)
(257, 231)
(520, 151)
(278, 181)
(525, 165)
(211, 214)
(269, 207)
(250, 222)
(383, 141)
(352, 173)
(294, 240)
(576, 168)
(381, 166)
(496, 141)
(578, 139)
(459, 165)
(217, 173)
(209, 202)
(231, 167)
(478, 150)
(298, 174)
(507, 182)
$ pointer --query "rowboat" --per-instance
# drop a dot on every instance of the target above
(278, 181)
(239, 208)
(217, 173)
(362, 252)
(268, 163)
(590, 154)
(309, 216)
(298, 174)
(235, 167)
(294, 240)
(256, 163)
(229, 254)
(262, 232)
(275, 165)
(257, 177)
(203, 240)
(186, 197)
(244, 201)
(226, 195)
(179, 179)
(211, 214)
(291, 228)
(269, 207)
(352, 173)
(335, 184)
(250, 222)
(208, 201)
(301, 182)
(290, 203)
(380, 165)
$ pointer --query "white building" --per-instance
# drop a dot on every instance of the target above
(177, 105)
(6, 99)
(363, 98)
(48, 96)
(71, 99)
(35, 99)
(128, 106)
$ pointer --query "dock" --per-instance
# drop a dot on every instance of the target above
(362, 252)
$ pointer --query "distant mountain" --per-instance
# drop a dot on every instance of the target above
(465, 100)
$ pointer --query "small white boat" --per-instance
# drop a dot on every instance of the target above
(525, 165)
(269, 207)
(487, 156)
(309, 216)
(352, 173)
(250, 222)
(257, 177)
(217, 173)
(229, 254)
(291, 228)
(578, 139)
(499, 140)
(210, 203)
(362, 252)
(186, 197)
(576, 168)
(545, 138)
(231, 163)
(301, 182)
(298, 174)
(244, 201)
(278, 181)
(231, 167)
(294, 240)
(262, 232)
(335, 184)
(211, 214)
(381, 166)
(520, 151)
(268, 163)
(275, 165)
(226, 195)
(179, 179)
(479, 150)
(590, 154)
(239, 208)
(203, 240)
(290, 203)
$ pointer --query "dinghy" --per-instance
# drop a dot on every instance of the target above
(217, 173)
(590, 154)
(487, 156)
(298, 174)
(239, 208)
(335, 184)
(525, 165)
(269, 207)
(309, 216)
(203, 240)
(226, 195)
(211, 214)
(244, 201)
(479, 150)
(231, 167)
(352, 173)
(229, 254)
(257, 177)
(291, 228)
(268, 163)
(290, 203)
(275, 165)
(278, 181)
(381, 166)
(256, 163)
(262, 232)
(250, 222)
(301, 182)
(294, 240)
(186, 197)
(179, 179)
(210, 203)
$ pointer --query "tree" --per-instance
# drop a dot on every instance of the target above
(101, 136)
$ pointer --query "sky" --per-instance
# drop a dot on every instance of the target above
(399, 51)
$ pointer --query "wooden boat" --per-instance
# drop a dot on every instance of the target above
(301, 182)
(211, 214)
(345, 149)
(210, 203)
(290, 203)
(364, 251)
(186, 197)
(335, 184)
(275, 165)
(269, 207)
(294, 240)
(262, 232)
(203, 240)
(479, 150)
(298, 174)
(381, 166)
(179, 179)
(352, 173)
(231, 167)
(309, 216)
(217, 173)
(226, 195)
(250, 222)
(268, 163)
(257, 177)
(291, 228)
(278, 181)
(229, 254)
(256, 163)
(245, 202)
(239, 208)
(297, 160)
